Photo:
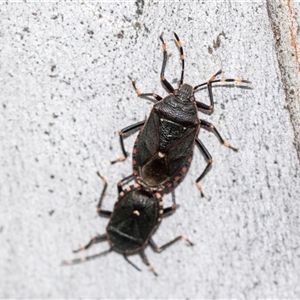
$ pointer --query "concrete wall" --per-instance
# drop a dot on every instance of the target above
(64, 96)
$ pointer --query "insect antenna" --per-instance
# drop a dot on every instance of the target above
(131, 263)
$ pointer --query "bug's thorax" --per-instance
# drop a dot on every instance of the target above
(179, 107)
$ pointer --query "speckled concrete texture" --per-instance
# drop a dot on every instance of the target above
(64, 96)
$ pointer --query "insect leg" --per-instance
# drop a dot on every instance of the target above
(160, 249)
(121, 134)
(102, 213)
(140, 94)
(170, 210)
(210, 127)
(131, 263)
(146, 262)
(209, 161)
(210, 108)
(94, 240)
(203, 106)
(86, 258)
(163, 67)
(124, 181)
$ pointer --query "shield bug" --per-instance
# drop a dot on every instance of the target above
(135, 217)
(164, 147)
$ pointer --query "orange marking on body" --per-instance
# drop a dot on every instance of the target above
(177, 178)
(161, 155)
(184, 170)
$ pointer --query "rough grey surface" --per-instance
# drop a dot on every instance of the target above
(64, 96)
(287, 41)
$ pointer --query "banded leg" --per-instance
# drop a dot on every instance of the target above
(210, 127)
(146, 262)
(210, 108)
(165, 246)
(124, 181)
(121, 134)
(140, 94)
(102, 213)
(160, 249)
(94, 240)
(209, 161)
(170, 210)
(97, 239)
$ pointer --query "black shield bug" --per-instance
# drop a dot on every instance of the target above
(135, 217)
(164, 147)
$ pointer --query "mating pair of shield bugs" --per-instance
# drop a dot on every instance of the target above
(164, 147)
(161, 157)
